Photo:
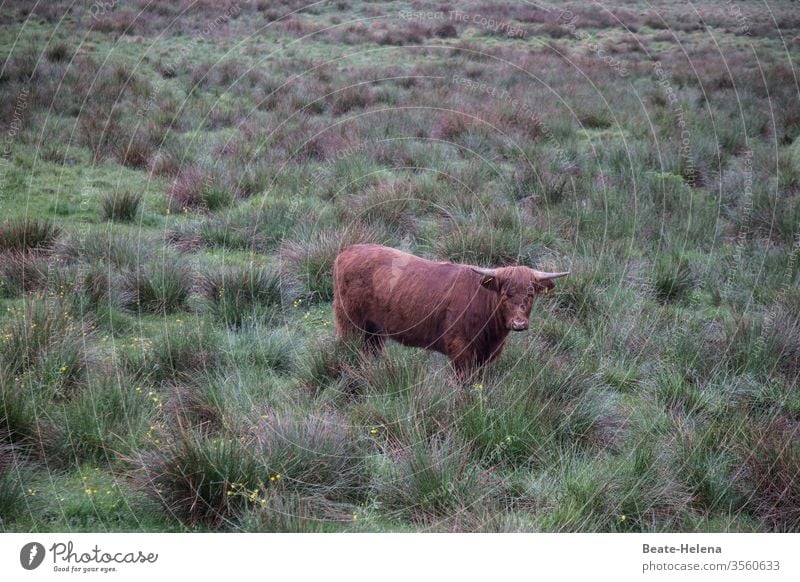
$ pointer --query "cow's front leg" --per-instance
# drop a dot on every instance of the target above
(462, 357)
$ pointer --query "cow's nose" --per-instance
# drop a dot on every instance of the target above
(519, 324)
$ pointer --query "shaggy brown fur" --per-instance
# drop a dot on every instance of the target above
(458, 310)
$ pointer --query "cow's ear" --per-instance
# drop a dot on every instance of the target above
(544, 286)
(488, 278)
(490, 282)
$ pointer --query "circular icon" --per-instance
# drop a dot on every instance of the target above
(31, 555)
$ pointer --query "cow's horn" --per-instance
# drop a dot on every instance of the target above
(540, 275)
(484, 272)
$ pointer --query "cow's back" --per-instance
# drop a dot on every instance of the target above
(388, 292)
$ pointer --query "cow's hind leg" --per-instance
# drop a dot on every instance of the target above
(344, 326)
(373, 339)
(366, 334)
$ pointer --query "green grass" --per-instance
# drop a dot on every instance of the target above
(168, 356)
(161, 287)
(122, 206)
(27, 234)
(243, 294)
(309, 261)
(433, 480)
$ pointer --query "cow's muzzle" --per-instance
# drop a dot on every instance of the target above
(519, 324)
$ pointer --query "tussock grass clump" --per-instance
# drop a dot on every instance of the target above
(698, 348)
(21, 272)
(417, 413)
(179, 354)
(21, 67)
(579, 294)
(242, 293)
(227, 234)
(387, 206)
(220, 399)
(196, 189)
(522, 416)
(310, 262)
(121, 205)
(58, 51)
(431, 480)
(760, 342)
(97, 287)
(192, 343)
(107, 418)
(525, 181)
(475, 244)
(327, 361)
(450, 126)
(595, 119)
(746, 348)
(553, 186)
(166, 163)
(677, 393)
(645, 491)
(44, 359)
(25, 234)
(100, 129)
(198, 405)
(260, 348)
(289, 512)
(317, 454)
(403, 395)
(553, 30)
(672, 279)
(21, 407)
(621, 375)
(771, 456)
(514, 433)
(12, 493)
(706, 463)
(574, 494)
(194, 476)
(122, 251)
(782, 336)
(214, 480)
(275, 219)
(395, 373)
(160, 287)
(350, 98)
(44, 340)
(185, 237)
(246, 178)
(137, 150)
(251, 229)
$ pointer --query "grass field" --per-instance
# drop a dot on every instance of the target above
(177, 177)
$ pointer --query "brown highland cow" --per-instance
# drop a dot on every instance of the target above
(462, 311)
